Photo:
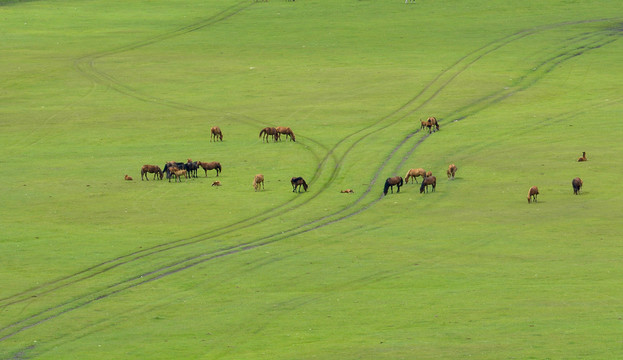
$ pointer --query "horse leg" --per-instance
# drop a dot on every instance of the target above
(398, 188)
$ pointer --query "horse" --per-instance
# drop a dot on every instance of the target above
(287, 132)
(577, 185)
(214, 165)
(170, 165)
(347, 191)
(215, 133)
(431, 180)
(269, 131)
(216, 183)
(430, 122)
(534, 191)
(424, 124)
(298, 182)
(390, 182)
(451, 171)
(178, 175)
(257, 181)
(128, 177)
(414, 173)
(583, 158)
(191, 167)
(155, 169)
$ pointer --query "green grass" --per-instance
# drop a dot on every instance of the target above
(94, 267)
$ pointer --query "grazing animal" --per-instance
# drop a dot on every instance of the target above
(178, 175)
(216, 183)
(534, 191)
(257, 181)
(155, 169)
(583, 158)
(216, 133)
(347, 191)
(577, 185)
(390, 182)
(214, 165)
(298, 182)
(414, 173)
(424, 124)
(430, 180)
(430, 122)
(287, 132)
(269, 131)
(128, 177)
(451, 171)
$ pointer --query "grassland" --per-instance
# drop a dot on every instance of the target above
(94, 267)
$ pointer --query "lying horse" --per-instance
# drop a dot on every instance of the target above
(577, 185)
(298, 182)
(155, 169)
(287, 132)
(583, 158)
(430, 180)
(414, 173)
(214, 165)
(215, 133)
(257, 181)
(347, 191)
(128, 177)
(451, 171)
(269, 131)
(390, 182)
(534, 191)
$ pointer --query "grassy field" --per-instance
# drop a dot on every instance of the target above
(95, 267)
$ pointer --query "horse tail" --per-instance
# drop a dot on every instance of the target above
(386, 188)
(262, 131)
(401, 182)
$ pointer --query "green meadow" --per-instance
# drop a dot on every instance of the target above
(96, 267)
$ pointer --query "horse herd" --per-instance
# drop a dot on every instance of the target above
(175, 170)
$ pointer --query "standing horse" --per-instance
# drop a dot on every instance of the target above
(577, 185)
(430, 122)
(414, 173)
(583, 158)
(390, 182)
(155, 169)
(170, 165)
(214, 165)
(257, 181)
(215, 133)
(534, 191)
(424, 124)
(298, 182)
(178, 175)
(451, 171)
(287, 132)
(269, 131)
(431, 180)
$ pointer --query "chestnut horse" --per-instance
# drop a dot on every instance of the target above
(390, 182)
(287, 132)
(451, 171)
(216, 133)
(298, 182)
(430, 122)
(534, 191)
(583, 158)
(269, 131)
(128, 177)
(430, 180)
(214, 165)
(155, 169)
(577, 185)
(414, 173)
(257, 181)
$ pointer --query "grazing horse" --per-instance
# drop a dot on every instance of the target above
(583, 158)
(269, 131)
(430, 122)
(298, 182)
(287, 132)
(215, 133)
(155, 169)
(128, 177)
(257, 181)
(451, 171)
(577, 185)
(390, 182)
(534, 191)
(214, 165)
(430, 180)
(414, 173)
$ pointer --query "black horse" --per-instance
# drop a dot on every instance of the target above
(298, 182)
(390, 182)
(431, 180)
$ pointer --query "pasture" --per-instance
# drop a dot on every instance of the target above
(96, 267)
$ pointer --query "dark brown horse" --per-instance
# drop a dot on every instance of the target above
(430, 122)
(286, 131)
(298, 182)
(414, 173)
(390, 182)
(451, 171)
(583, 158)
(269, 131)
(155, 169)
(216, 134)
(258, 181)
(534, 191)
(430, 180)
(577, 185)
(214, 165)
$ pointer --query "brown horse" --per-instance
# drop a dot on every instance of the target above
(214, 165)
(287, 132)
(577, 185)
(390, 182)
(257, 181)
(451, 171)
(298, 182)
(128, 177)
(347, 191)
(583, 158)
(430, 122)
(216, 183)
(216, 133)
(429, 173)
(534, 191)
(178, 174)
(414, 173)
(269, 131)
(155, 169)
(424, 124)
(430, 180)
